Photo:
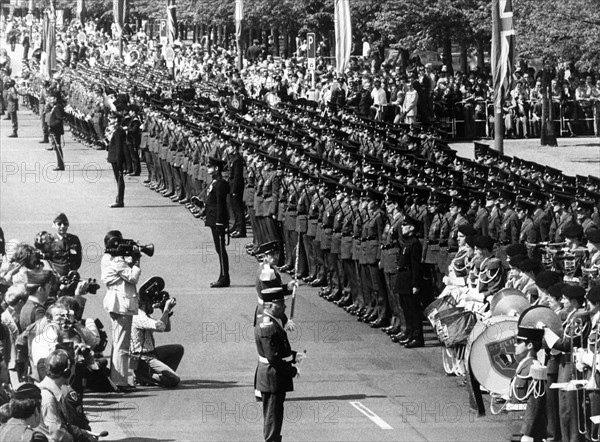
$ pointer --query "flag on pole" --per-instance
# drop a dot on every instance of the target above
(171, 21)
(239, 16)
(119, 13)
(503, 51)
(49, 44)
(343, 34)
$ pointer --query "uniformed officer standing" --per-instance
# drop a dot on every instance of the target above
(236, 187)
(390, 248)
(217, 217)
(68, 254)
(275, 372)
(409, 283)
(561, 217)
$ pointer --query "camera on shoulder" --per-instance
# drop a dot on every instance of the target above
(129, 247)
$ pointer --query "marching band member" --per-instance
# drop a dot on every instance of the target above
(576, 330)
(527, 389)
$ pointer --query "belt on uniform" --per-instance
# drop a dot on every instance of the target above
(370, 238)
(432, 242)
(266, 361)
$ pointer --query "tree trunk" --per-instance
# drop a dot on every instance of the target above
(464, 57)
(286, 44)
(480, 56)
(447, 54)
(276, 51)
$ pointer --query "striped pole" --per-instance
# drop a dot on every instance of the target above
(239, 17)
(119, 7)
(171, 21)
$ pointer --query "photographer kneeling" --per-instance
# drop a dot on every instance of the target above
(155, 365)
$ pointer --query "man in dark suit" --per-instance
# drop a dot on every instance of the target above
(217, 216)
(275, 371)
(68, 247)
(116, 155)
(236, 191)
(410, 282)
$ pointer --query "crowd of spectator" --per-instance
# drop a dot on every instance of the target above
(460, 102)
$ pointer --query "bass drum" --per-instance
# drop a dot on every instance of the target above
(491, 352)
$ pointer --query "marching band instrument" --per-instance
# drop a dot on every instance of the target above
(490, 352)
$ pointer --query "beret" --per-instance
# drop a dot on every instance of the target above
(547, 278)
(484, 242)
(467, 229)
(573, 291)
(593, 294)
(516, 249)
(28, 391)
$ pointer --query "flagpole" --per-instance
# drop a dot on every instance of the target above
(239, 17)
(499, 98)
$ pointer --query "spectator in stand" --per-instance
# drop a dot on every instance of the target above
(568, 107)
(584, 104)
(411, 101)
(535, 99)
(379, 96)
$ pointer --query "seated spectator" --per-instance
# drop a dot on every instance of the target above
(155, 365)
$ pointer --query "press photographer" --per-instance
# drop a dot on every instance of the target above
(154, 365)
(121, 272)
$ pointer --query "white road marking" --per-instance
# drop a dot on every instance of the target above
(364, 410)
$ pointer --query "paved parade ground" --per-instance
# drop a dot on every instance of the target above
(355, 385)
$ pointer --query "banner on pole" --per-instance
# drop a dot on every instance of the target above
(503, 51)
(343, 34)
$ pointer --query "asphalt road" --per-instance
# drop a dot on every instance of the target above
(356, 385)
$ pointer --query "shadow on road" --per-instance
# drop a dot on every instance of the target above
(347, 397)
(144, 439)
(192, 384)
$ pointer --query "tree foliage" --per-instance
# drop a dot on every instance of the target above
(559, 31)
(555, 30)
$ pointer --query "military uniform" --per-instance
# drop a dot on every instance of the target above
(217, 218)
(275, 372)
(410, 276)
(576, 328)
(390, 248)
